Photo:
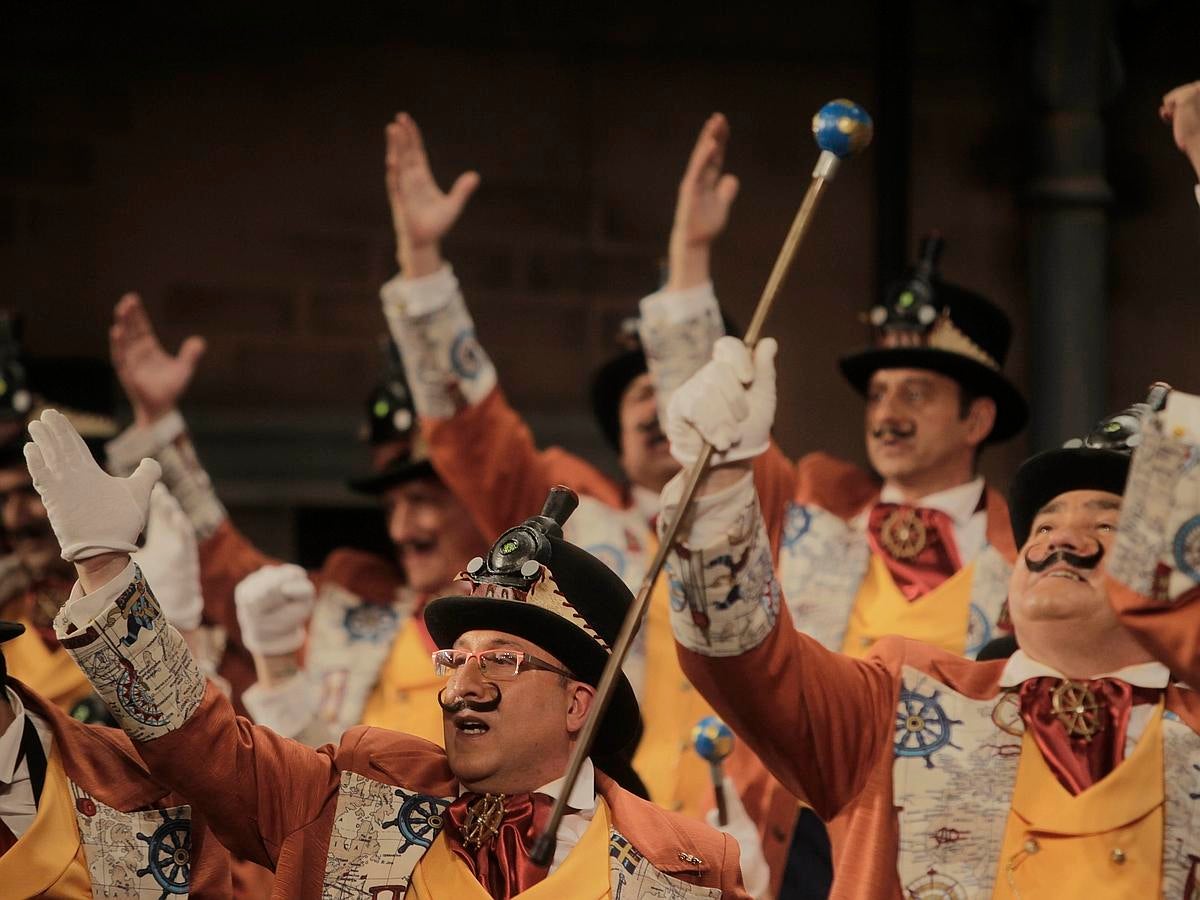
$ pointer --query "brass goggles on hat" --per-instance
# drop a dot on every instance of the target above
(494, 665)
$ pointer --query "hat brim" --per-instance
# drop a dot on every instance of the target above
(1043, 477)
(10, 630)
(1012, 412)
(608, 387)
(378, 482)
(448, 618)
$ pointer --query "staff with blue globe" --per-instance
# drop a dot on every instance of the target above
(841, 129)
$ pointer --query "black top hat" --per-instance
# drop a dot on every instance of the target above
(541, 588)
(8, 631)
(927, 323)
(611, 380)
(1098, 462)
(390, 428)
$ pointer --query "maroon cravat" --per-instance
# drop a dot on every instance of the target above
(492, 834)
(917, 545)
(1080, 726)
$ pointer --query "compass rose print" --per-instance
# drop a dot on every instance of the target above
(922, 726)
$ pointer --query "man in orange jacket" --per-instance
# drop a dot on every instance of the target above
(521, 646)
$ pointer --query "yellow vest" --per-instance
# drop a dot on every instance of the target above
(405, 694)
(939, 617)
(48, 860)
(1103, 842)
(52, 673)
(675, 776)
(583, 875)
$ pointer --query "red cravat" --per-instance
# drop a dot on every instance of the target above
(1080, 726)
(498, 853)
(917, 545)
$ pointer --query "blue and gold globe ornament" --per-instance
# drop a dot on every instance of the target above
(842, 127)
(712, 739)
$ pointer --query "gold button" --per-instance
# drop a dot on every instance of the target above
(1118, 856)
(1031, 846)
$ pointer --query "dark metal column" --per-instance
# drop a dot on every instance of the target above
(1075, 72)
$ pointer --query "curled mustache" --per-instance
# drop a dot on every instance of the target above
(462, 703)
(893, 429)
(650, 426)
(1074, 560)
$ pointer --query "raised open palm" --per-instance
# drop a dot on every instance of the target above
(705, 194)
(421, 211)
(153, 379)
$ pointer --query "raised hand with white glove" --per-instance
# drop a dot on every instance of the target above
(730, 403)
(170, 561)
(91, 512)
(273, 606)
(756, 875)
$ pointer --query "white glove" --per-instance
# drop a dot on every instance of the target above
(756, 876)
(273, 605)
(91, 512)
(730, 403)
(170, 562)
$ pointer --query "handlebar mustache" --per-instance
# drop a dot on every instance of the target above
(1074, 560)
(457, 706)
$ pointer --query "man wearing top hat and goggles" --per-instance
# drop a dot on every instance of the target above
(1068, 770)
(383, 813)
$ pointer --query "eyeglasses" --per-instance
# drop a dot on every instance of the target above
(498, 665)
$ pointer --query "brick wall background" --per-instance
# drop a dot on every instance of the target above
(228, 166)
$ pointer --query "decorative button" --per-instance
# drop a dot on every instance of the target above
(1031, 846)
(1118, 856)
(690, 860)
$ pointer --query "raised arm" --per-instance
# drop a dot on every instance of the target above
(817, 719)
(479, 445)
(680, 323)
(1181, 110)
(255, 787)
(1154, 572)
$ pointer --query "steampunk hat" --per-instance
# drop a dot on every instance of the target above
(927, 323)
(390, 429)
(1098, 462)
(539, 587)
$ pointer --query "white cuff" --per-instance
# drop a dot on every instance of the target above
(711, 516)
(287, 708)
(674, 307)
(134, 444)
(82, 609)
(420, 296)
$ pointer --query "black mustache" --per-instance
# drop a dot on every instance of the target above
(1074, 560)
(462, 703)
(650, 426)
(899, 431)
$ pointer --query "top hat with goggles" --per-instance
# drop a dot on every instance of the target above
(1097, 462)
(537, 586)
(927, 323)
(390, 429)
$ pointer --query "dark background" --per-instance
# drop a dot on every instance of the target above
(227, 163)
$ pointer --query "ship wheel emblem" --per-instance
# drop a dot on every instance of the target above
(169, 855)
(933, 885)
(922, 726)
(1076, 707)
(483, 820)
(419, 820)
(903, 534)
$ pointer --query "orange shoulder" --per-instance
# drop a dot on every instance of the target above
(402, 759)
(833, 484)
(365, 575)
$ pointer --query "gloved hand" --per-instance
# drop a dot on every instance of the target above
(273, 605)
(730, 403)
(91, 512)
(756, 876)
(170, 562)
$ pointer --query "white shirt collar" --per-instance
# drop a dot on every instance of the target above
(959, 502)
(583, 795)
(1020, 668)
(648, 503)
(10, 741)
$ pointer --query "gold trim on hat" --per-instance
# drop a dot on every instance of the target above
(544, 593)
(942, 335)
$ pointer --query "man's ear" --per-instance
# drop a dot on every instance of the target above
(580, 697)
(981, 417)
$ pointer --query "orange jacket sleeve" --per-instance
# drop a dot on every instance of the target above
(1171, 631)
(487, 456)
